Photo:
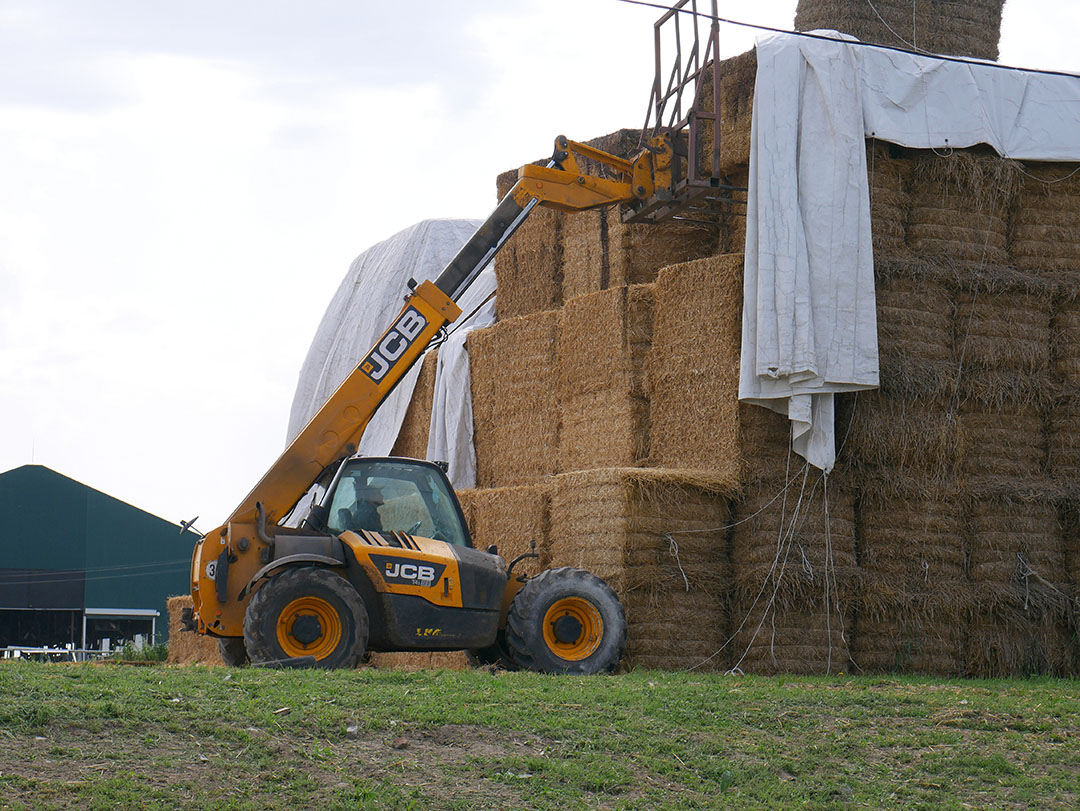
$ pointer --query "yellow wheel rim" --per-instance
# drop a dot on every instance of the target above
(573, 628)
(309, 626)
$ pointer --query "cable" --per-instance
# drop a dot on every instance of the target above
(72, 577)
(807, 35)
(15, 577)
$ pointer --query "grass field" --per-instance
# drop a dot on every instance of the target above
(108, 736)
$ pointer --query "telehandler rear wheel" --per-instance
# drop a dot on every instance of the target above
(233, 651)
(307, 611)
(566, 621)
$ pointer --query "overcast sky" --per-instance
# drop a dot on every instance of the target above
(184, 184)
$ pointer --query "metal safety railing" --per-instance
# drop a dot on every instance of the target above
(685, 103)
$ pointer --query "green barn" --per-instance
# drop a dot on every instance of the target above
(78, 567)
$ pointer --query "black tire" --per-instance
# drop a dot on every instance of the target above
(233, 651)
(586, 630)
(494, 655)
(321, 615)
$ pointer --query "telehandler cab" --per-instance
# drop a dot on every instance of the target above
(330, 556)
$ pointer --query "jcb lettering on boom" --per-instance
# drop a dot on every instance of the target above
(393, 344)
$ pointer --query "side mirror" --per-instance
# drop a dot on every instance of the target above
(492, 550)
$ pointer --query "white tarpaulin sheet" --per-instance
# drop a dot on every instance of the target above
(363, 307)
(809, 318)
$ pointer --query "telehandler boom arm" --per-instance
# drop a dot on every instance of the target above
(335, 430)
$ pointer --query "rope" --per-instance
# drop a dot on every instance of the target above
(673, 550)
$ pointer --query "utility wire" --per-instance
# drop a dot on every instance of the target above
(807, 35)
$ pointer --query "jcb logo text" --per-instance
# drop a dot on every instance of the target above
(393, 344)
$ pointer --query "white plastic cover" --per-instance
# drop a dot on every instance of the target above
(363, 307)
(450, 438)
(809, 318)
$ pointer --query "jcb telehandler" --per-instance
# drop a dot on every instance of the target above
(330, 556)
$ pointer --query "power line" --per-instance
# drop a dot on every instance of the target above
(808, 35)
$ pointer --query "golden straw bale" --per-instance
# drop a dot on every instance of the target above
(187, 647)
(411, 661)
(1046, 219)
(643, 529)
(765, 445)
(1066, 342)
(1016, 643)
(959, 205)
(906, 435)
(412, 439)
(677, 629)
(914, 318)
(515, 408)
(784, 544)
(732, 217)
(772, 637)
(511, 518)
(889, 175)
(1063, 438)
(898, 639)
(738, 75)
(1004, 331)
(600, 350)
(528, 269)
(659, 538)
(1017, 553)
(911, 545)
(969, 28)
(692, 367)
(1003, 442)
(604, 252)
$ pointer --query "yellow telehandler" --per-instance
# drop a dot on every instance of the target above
(332, 555)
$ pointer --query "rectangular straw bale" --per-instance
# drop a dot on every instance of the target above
(1003, 644)
(773, 637)
(738, 77)
(528, 269)
(1045, 233)
(765, 445)
(963, 29)
(515, 409)
(511, 518)
(910, 542)
(910, 639)
(1017, 554)
(1063, 438)
(960, 204)
(412, 439)
(914, 316)
(601, 251)
(410, 661)
(732, 219)
(1005, 331)
(904, 434)
(889, 174)
(642, 530)
(1066, 340)
(1008, 442)
(600, 349)
(784, 545)
(187, 647)
(692, 367)
(677, 629)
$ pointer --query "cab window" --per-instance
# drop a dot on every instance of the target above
(382, 496)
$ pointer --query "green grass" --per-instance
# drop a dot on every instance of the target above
(85, 736)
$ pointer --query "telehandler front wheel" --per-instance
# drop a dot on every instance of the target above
(566, 621)
(307, 611)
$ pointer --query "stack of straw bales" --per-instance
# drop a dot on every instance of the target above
(946, 541)
(969, 28)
